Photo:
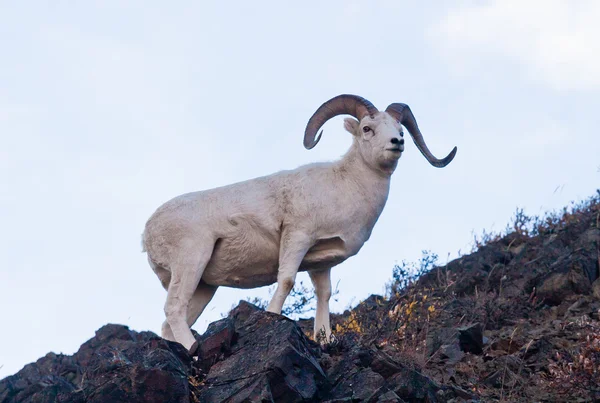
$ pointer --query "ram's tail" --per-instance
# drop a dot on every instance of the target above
(144, 242)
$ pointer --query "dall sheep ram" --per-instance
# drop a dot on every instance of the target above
(264, 230)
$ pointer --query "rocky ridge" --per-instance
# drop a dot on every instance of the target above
(517, 320)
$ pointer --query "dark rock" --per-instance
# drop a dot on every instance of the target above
(45, 389)
(471, 338)
(352, 378)
(270, 361)
(216, 342)
(451, 353)
(49, 378)
(250, 356)
(242, 312)
(413, 386)
(567, 280)
(367, 374)
(117, 365)
(155, 370)
(383, 364)
(117, 336)
(451, 344)
(437, 338)
(444, 344)
(361, 384)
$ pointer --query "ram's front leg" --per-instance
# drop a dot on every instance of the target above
(291, 252)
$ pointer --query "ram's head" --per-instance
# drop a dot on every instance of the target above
(379, 134)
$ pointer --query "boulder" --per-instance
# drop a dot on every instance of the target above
(117, 365)
(270, 360)
(567, 280)
(215, 343)
(371, 375)
(451, 344)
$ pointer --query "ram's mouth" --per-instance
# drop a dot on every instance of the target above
(395, 150)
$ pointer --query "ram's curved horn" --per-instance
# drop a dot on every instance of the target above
(403, 114)
(344, 104)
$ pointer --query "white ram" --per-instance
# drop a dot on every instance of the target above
(265, 230)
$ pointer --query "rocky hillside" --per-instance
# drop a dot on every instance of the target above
(515, 321)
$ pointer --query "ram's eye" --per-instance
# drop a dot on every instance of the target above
(366, 129)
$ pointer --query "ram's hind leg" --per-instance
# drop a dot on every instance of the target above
(321, 280)
(199, 301)
(186, 273)
(164, 276)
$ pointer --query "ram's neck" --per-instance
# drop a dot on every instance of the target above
(373, 184)
(353, 163)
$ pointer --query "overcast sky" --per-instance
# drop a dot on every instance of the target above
(110, 108)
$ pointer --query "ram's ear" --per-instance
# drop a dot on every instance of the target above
(351, 125)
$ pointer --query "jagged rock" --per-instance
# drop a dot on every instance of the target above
(470, 338)
(370, 375)
(381, 363)
(155, 370)
(451, 344)
(451, 352)
(242, 312)
(437, 338)
(46, 388)
(216, 342)
(567, 280)
(250, 356)
(48, 379)
(360, 384)
(117, 365)
(413, 386)
(271, 360)
(443, 344)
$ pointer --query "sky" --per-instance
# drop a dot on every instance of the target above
(110, 108)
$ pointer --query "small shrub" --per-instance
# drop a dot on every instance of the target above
(406, 273)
